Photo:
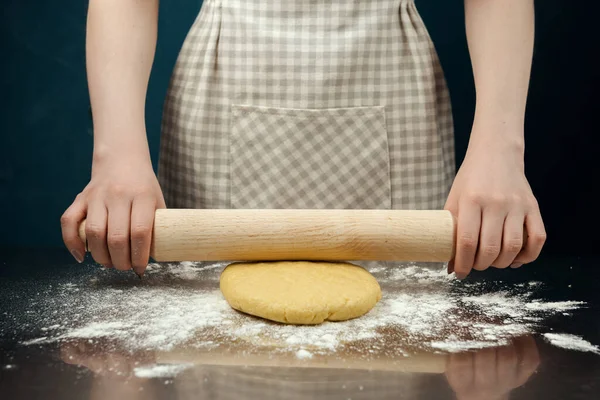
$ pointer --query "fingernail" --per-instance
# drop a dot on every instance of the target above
(516, 265)
(460, 276)
(108, 266)
(139, 275)
(77, 255)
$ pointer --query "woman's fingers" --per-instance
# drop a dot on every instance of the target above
(529, 358)
(460, 371)
(452, 206)
(490, 240)
(536, 237)
(469, 223)
(107, 205)
(485, 368)
(512, 240)
(119, 217)
(69, 222)
(142, 222)
(507, 364)
(95, 232)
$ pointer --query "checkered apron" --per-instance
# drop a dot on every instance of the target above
(307, 104)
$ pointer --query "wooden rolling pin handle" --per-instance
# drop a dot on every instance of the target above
(324, 235)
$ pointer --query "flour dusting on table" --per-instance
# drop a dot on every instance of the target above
(180, 306)
(571, 342)
(160, 370)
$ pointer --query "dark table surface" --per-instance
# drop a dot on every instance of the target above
(43, 371)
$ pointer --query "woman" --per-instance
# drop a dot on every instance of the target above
(308, 104)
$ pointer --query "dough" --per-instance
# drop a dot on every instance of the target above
(300, 292)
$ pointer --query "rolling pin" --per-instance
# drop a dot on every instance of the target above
(317, 235)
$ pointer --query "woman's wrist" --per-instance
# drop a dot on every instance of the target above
(498, 134)
(495, 114)
(132, 152)
(501, 124)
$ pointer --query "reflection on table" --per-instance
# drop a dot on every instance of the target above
(489, 373)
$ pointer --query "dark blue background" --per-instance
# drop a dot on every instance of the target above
(46, 132)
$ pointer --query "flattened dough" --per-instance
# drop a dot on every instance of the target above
(300, 292)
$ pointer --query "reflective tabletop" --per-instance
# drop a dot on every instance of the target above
(83, 332)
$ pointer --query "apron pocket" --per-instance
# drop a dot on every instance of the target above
(309, 158)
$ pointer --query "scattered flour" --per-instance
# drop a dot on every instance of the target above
(184, 270)
(303, 354)
(571, 342)
(179, 306)
(42, 339)
(460, 346)
(414, 272)
(160, 370)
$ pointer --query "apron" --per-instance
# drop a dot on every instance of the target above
(307, 104)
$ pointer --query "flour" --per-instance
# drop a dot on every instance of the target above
(414, 272)
(303, 354)
(187, 270)
(571, 342)
(460, 346)
(160, 370)
(518, 306)
(179, 307)
(42, 339)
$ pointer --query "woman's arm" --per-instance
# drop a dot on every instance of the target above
(500, 36)
(121, 39)
(490, 195)
(123, 193)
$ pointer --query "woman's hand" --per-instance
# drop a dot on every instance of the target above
(119, 205)
(493, 373)
(104, 357)
(113, 369)
(120, 200)
(493, 203)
